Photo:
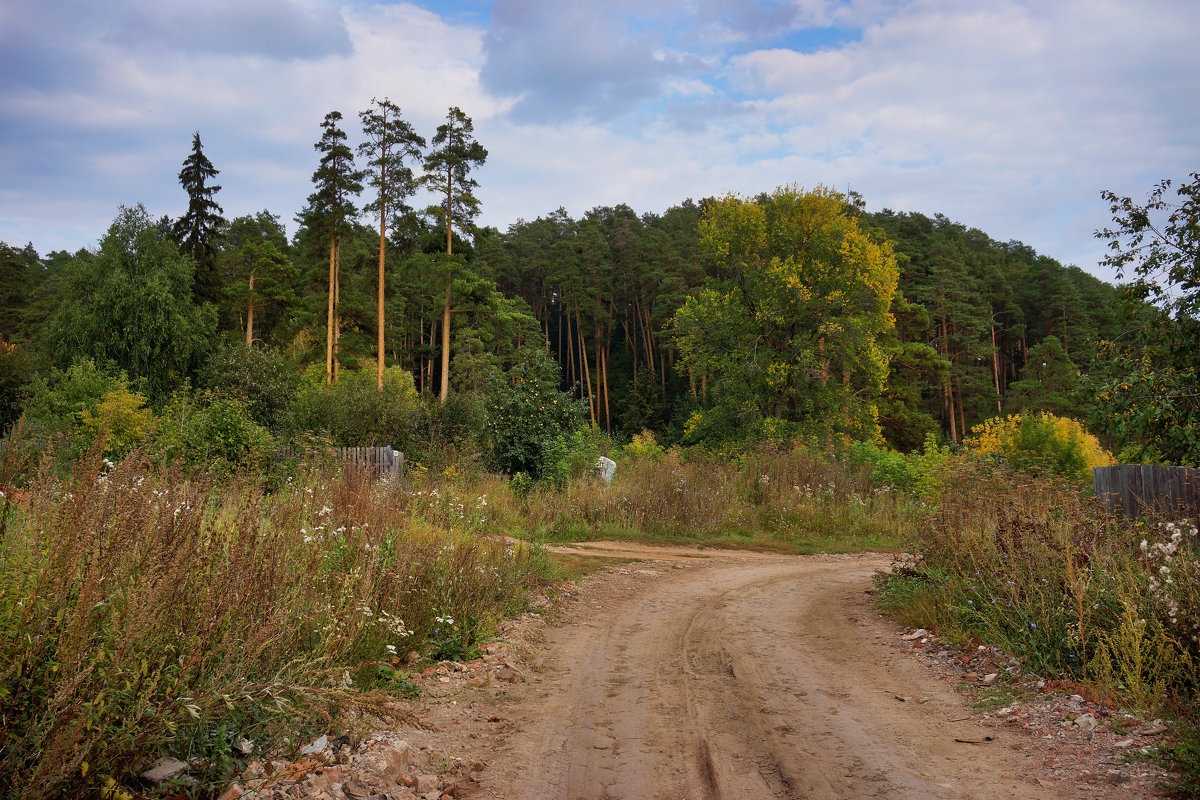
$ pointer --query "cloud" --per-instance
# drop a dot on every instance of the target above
(1009, 116)
(562, 61)
(276, 29)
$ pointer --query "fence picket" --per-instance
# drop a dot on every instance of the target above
(1134, 487)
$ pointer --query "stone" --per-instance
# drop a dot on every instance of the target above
(165, 769)
(233, 792)
(507, 673)
(606, 468)
(989, 679)
(245, 746)
(426, 784)
(917, 634)
(1086, 722)
(316, 747)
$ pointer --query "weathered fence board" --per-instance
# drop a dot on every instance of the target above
(1137, 488)
(384, 462)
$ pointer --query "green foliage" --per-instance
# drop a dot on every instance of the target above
(570, 456)
(16, 372)
(213, 432)
(448, 165)
(131, 307)
(197, 230)
(121, 416)
(259, 377)
(1049, 382)
(353, 412)
(791, 335)
(527, 417)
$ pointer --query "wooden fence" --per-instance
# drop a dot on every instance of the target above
(384, 462)
(1134, 488)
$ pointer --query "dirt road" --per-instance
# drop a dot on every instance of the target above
(744, 676)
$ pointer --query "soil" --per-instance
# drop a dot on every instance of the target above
(683, 674)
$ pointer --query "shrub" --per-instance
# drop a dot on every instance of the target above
(644, 447)
(75, 404)
(1042, 444)
(259, 376)
(527, 417)
(123, 419)
(213, 432)
(353, 411)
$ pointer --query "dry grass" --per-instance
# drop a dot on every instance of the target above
(141, 612)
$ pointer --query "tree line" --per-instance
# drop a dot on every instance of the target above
(797, 314)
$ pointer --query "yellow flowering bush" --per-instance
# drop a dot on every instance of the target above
(1042, 443)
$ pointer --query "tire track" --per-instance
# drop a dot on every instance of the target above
(748, 676)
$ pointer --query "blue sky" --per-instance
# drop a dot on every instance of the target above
(1008, 116)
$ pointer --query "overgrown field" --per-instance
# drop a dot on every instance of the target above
(1038, 568)
(144, 612)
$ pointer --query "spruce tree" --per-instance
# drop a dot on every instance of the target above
(196, 231)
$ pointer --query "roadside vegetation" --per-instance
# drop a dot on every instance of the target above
(186, 570)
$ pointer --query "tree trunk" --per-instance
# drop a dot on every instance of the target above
(445, 390)
(329, 315)
(337, 314)
(587, 373)
(604, 366)
(996, 365)
(382, 243)
(250, 314)
(570, 353)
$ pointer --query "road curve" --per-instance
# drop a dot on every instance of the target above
(747, 676)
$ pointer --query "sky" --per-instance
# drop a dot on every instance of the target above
(1009, 116)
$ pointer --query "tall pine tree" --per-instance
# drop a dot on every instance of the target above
(447, 170)
(390, 141)
(330, 209)
(196, 231)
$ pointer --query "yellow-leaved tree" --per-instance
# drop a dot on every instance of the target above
(787, 337)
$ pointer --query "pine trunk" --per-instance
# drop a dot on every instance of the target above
(587, 373)
(382, 242)
(329, 315)
(250, 314)
(445, 389)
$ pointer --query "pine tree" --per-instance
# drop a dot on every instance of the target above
(447, 170)
(196, 231)
(329, 210)
(390, 140)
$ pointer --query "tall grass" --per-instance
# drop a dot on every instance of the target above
(1039, 568)
(791, 500)
(142, 613)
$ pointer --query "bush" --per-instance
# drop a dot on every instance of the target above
(573, 455)
(259, 376)
(1042, 444)
(527, 417)
(75, 404)
(213, 432)
(644, 447)
(121, 417)
(353, 411)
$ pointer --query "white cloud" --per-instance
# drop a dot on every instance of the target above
(1010, 117)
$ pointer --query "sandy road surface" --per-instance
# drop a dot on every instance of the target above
(744, 676)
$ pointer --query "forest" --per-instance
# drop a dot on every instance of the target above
(786, 371)
(211, 321)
